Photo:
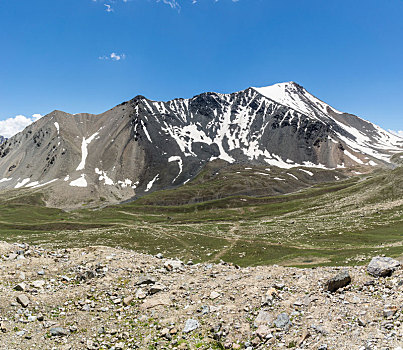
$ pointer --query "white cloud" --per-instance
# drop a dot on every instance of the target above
(174, 4)
(397, 133)
(108, 8)
(12, 126)
(113, 57)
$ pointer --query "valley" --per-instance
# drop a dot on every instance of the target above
(333, 223)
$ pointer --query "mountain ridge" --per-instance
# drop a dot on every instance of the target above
(142, 145)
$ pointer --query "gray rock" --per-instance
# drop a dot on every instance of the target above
(389, 311)
(12, 256)
(205, 309)
(23, 300)
(86, 275)
(171, 265)
(319, 329)
(156, 288)
(263, 318)
(282, 321)
(38, 284)
(146, 279)
(341, 280)
(128, 300)
(20, 287)
(58, 332)
(140, 294)
(191, 325)
(263, 332)
(214, 295)
(382, 266)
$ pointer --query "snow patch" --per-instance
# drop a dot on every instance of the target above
(80, 182)
(151, 183)
(22, 183)
(146, 132)
(103, 177)
(32, 184)
(306, 171)
(44, 184)
(353, 157)
(293, 176)
(180, 164)
(84, 150)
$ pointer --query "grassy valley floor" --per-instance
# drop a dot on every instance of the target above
(334, 223)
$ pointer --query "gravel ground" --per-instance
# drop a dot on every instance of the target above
(106, 298)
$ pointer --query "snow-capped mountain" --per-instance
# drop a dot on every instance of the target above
(142, 145)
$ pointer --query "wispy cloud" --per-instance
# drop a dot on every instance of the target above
(174, 4)
(108, 8)
(12, 126)
(113, 57)
(397, 133)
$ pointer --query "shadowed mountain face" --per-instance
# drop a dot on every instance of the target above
(142, 146)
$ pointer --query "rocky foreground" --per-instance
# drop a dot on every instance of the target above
(105, 298)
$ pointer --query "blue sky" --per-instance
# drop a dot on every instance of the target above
(88, 56)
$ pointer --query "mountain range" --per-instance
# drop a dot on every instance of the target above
(141, 145)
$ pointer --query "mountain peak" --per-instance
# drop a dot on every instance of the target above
(166, 144)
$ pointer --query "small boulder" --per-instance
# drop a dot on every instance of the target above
(140, 294)
(341, 280)
(146, 279)
(38, 284)
(282, 321)
(263, 331)
(58, 332)
(214, 295)
(128, 300)
(263, 318)
(12, 256)
(172, 265)
(23, 300)
(389, 311)
(382, 266)
(156, 288)
(191, 325)
(20, 287)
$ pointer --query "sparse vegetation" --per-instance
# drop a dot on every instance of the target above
(331, 223)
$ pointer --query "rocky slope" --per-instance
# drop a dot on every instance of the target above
(141, 145)
(105, 298)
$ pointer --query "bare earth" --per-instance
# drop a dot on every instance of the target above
(105, 298)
